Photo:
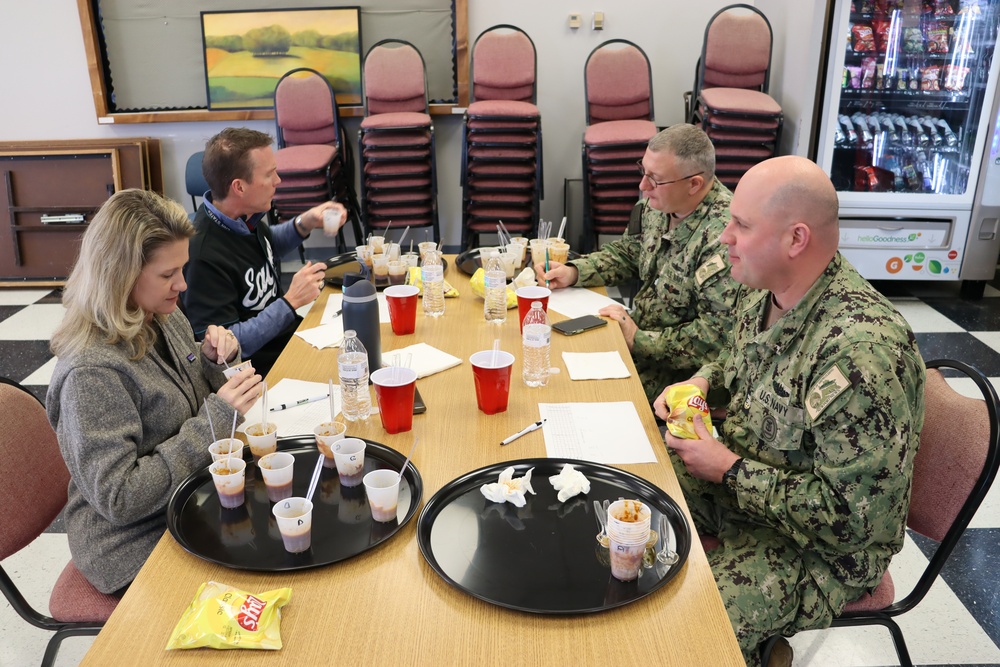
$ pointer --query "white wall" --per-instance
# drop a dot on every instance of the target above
(48, 95)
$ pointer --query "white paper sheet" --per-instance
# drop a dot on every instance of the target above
(335, 303)
(578, 301)
(595, 365)
(598, 432)
(301, 419)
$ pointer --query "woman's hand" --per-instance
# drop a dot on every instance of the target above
(241, 390)
(220, 344)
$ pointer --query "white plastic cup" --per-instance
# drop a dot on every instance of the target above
(294, 517)
(328, 434)
(382, 488)
(350, 459)
(233, 370)
(262, 439)
(229, 476)
(331, 221)
(220, 449)
(278, 469)
(628, 532)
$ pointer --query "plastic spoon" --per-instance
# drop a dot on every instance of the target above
(602, 521)
(315, 478)
(665, 555)
(413, 448)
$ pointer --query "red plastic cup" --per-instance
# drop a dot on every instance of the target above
(525, 295)
(394, 392)
(402, 300)
(492, 380)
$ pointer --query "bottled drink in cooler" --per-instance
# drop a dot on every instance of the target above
(495, 289)
(535, 344)
(352, 364)
(432, 275)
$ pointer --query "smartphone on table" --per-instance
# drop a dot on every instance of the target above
(578, 325)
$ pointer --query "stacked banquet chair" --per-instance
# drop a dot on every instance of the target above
(314, 164)
(398, 173)
(502, 142)
(619, 88)
(730, 98)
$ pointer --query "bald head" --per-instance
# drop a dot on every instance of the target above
(795, 189)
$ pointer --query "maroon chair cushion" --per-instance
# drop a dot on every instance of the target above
(737, 49)
(75, 600)
(403, 120)
(738, 100)
(312, 157)
(525, 110)
(501, 169)
(491, 124)
(502, 139)
(396, 139)
(396, 168)
(303, 107)
(619, 132)
(499, 153)
(503, 65)
(880, 598)
(401, 183)
(394, 80)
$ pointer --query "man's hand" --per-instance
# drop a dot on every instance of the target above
(306, 285)
(219, 344)
(559, 275)
(627, 324)
(313, 218)
(241, 390)
(660, 406)
(705, 458)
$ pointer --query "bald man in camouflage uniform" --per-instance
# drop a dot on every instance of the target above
(680, 314)
(809, 487)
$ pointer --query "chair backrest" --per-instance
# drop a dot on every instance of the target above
(503, 65)
(736, 52)
(954, 467)
(194, 179)
(34, 479)
(618, 83)
(305, 109)
(394, 78)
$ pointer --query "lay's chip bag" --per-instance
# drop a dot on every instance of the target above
(685, 401)
(223, 617)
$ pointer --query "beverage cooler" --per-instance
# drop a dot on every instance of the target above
(910, 136)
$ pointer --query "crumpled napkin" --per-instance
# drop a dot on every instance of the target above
(508, 489)
(569, 482)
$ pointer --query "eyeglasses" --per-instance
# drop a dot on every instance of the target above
(656, 184)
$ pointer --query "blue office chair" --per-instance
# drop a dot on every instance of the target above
(194, 181)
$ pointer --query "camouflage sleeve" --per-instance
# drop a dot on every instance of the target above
(850, 497)
(617, 262)
(698, 337)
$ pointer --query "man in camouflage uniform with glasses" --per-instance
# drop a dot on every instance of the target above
(680, 314)
(808, 485)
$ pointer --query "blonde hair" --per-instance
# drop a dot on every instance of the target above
(119, 242)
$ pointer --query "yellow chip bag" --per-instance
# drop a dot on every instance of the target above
(223, 617)
(415, 278)
(685, 401)
(478, 285)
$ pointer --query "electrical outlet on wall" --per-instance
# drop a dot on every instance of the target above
(598, 21)
(574, 21)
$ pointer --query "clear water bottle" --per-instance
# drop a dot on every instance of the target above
(432, 275)
(535, 342)
(495, 289)
(352, 365)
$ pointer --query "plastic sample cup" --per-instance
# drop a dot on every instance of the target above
(328, 434)
(402, 300)
(538, 247)
(350, 460)
(525, 296)
(229, 476)
(411, 259)
(509, 259)
(558, 252)
(262, 439)
(392, 251)
(331, 221)
(377, 244)
(380, 269)
(397, 272)
(425, 247)
(294, 517)
(382, 488)
(220, 449)
(492, 379)
(628, 532)
(394, 391)
(518, 248)
(277, 469)
(233, 370)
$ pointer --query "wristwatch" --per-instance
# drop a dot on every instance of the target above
(729, 477)
(298, 226)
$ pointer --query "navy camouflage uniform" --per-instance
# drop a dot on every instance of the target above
(826, 408)
(683, 306)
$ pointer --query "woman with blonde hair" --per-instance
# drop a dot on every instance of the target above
(132, 391)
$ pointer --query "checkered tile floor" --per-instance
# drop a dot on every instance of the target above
(958, 624)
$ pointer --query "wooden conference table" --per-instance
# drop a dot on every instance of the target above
(387, 606)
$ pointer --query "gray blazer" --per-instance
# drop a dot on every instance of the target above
(130, 432)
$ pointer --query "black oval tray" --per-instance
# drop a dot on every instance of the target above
(469, 261)
(348, 262)
(247, 538)
(544, 557)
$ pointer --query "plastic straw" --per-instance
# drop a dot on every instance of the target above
(405, 232)
(333, 404)
(562, 228)
(387, 228)
(496, 352)
(413, 448)
(232, 434)
(263, 406)
(317, 471)
(210, 424)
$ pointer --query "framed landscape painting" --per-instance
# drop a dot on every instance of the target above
(246, 52)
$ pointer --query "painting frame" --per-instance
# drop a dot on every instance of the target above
(246, 52)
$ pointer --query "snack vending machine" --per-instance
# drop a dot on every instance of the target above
(910, 136)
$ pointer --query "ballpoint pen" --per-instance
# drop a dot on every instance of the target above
(546, 266)
(533, 427)
(303, 401)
